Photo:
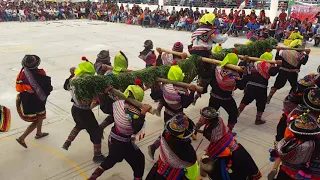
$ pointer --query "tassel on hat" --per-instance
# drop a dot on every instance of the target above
(234, 51)
(137, 81)
(84, 58)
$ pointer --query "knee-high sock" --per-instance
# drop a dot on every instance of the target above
(272, 91)
(96, 173)
(97, 149)
(259, 116)
(73, 134)
(241, 108)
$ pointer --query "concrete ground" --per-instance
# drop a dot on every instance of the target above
(60, 45)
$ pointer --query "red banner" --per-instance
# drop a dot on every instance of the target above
(302, 12)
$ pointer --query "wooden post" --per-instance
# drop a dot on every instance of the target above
(182, 84)
(131, 100)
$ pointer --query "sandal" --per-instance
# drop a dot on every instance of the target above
(23, 144)
(41, 136)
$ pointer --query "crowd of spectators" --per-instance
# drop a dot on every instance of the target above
(252, 24)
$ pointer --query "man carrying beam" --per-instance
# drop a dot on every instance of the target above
(256, 85)
(291, 63)
(128, 120)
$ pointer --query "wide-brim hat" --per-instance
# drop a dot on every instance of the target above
(305, 124)
(31, 61)
(104, 55)
(209, 113)
(311, 98)
(180, 126)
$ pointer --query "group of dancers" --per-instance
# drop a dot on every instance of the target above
(297, 140)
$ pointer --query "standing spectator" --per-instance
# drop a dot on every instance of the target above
(196, 14)
(121, 7)
(283, 15)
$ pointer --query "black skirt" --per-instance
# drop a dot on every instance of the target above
(30, 108)
(243, 166)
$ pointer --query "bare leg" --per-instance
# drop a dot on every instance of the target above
(30, 128)
(39, 127)
(272, 174)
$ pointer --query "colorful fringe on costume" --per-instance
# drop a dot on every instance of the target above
(28, 117)
(5, 120)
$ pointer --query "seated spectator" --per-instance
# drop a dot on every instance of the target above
(181, 22)
(316, 36)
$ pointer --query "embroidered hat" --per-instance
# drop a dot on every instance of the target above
(120, 63)
(231, 58)
(305, 124)
(207, 18)
(209, 113)
(31, 61)
(311, 98)
(178, 46)
(308, 80)
(180, 126)
(175, 73)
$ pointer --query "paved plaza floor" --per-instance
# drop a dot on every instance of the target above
(60, 45)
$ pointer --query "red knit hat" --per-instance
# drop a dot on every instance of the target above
(178, 46)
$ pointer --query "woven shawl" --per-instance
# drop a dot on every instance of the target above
(170, 158)
(291, 56)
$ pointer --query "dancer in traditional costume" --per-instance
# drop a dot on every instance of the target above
(202, 40)
(299, 149)
(291, 63)
(128, 121)
(224, 82)
(257, 84)
(302, 103)
(224, 159)
(102, 63)
(174, 99)
(34, 87)
(107, 99)
(178, 159)
(83, 115)
(293, 100)
(165, 58)
(148, 55)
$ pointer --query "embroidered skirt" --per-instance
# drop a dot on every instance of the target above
(5, 119)
(29, 107)
(242, 165)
